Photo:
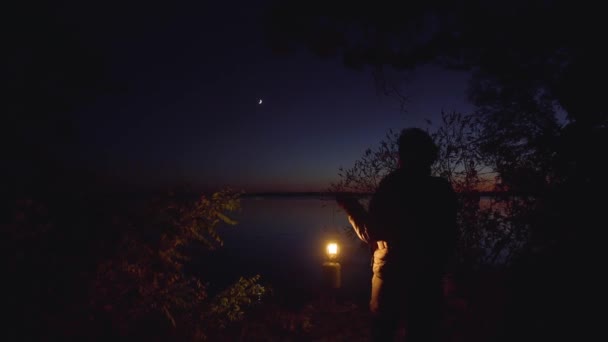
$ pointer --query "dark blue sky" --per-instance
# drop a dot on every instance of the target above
(190, 78)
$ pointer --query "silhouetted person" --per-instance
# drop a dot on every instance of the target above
(411, 226)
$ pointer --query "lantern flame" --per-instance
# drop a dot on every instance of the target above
(332, 249)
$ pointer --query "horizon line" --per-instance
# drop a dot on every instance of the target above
(326, 193)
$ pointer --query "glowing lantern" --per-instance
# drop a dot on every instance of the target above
(332, 250)
(332, 271)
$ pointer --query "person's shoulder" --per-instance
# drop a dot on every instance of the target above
(388, 183)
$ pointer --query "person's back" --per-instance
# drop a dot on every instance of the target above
(417, 216)
(413, 214)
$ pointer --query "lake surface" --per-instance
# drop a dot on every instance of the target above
(283, 239)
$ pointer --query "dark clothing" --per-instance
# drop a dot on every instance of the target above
(416, 304)
(414, 216)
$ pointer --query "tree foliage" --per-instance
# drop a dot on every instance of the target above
(521, 50)
(530, 61)
(228, 305)
(492, 230)
(93, 266)
(146, 281)
(365, 175)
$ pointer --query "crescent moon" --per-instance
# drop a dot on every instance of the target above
(260, 102)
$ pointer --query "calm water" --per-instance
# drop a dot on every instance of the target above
(283, 239)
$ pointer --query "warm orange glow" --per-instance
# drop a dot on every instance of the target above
(332, 249)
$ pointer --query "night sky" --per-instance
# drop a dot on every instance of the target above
(186, 80)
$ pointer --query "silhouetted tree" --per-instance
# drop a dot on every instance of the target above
(536, 42)
(143, 289)
(491, 231)
(529, 61)
(535, 60)
(88, 265)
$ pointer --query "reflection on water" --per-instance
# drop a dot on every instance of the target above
(284, 240)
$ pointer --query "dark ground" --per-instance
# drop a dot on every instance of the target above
(474, 311)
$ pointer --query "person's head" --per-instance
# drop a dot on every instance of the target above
(417, 150)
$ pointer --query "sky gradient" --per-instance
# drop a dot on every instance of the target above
(187, 109)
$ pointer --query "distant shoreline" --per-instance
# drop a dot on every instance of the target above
(331, 194)
(296, 194)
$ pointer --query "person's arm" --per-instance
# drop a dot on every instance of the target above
(360, 229)
(367, 225)
(357, 216)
